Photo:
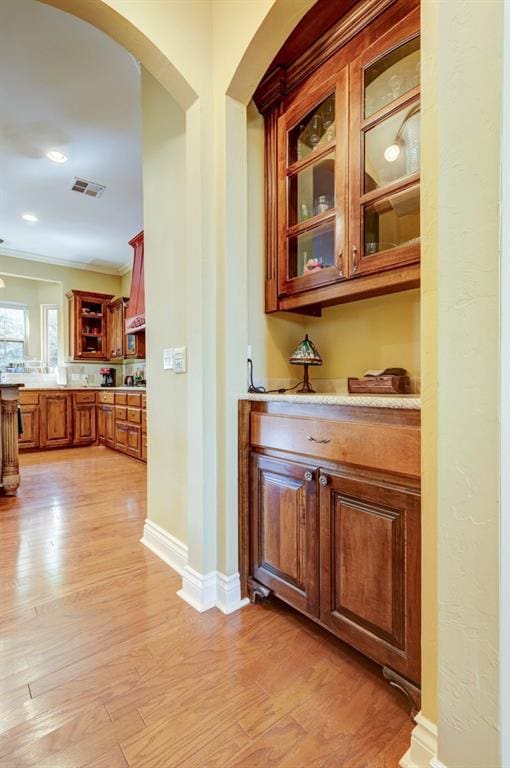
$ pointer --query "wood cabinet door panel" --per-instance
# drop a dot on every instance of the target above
(101, 424)
(30, 436)
(109, 425)
(56, 419)
(370, 569)
(84, 424)
(134, 441)
(284, 530)
(383, 206)
(121, 436)
(328, 226)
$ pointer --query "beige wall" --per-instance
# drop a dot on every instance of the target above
(165, 287)
(429, 362)
(125, 284)
(67, 278)
(468, 50)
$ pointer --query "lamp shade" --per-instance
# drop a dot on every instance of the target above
(306, 353)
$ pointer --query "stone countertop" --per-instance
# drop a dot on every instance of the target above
(404, 402)
(98, 388)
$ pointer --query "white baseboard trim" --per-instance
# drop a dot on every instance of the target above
(423, 750)
(211, 590)
(228, 593)
(202, 591)
(167, 547)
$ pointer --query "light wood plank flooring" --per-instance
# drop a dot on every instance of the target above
(103, 666)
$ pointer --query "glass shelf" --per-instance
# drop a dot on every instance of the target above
(314, 132)
(311, 251)
(392, 221)
(312, 190)
(392, 76)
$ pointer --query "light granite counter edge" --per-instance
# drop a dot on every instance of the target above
(403, 402)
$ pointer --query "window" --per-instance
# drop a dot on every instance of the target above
(13, 332)
(50, 335)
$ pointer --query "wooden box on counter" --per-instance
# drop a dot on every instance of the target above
(380, 385)
(329, 505)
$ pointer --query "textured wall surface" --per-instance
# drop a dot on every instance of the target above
(469, 68)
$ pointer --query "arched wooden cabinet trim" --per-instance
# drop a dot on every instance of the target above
(342, 157)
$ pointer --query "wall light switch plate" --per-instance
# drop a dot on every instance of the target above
(180, 360)
(168, 359)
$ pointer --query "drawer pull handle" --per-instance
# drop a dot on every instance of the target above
(308, 476)
(324, 441)
(323, 480)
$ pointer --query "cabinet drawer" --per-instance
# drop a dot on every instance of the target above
(84, 397)
(135, 400)
(134, 415)
(106, 397)
(120, 398)
(29, 398)
(386, 447)
(120, 413)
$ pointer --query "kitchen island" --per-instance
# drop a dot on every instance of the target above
(9, 460)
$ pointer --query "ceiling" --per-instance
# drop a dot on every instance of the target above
(65, 85)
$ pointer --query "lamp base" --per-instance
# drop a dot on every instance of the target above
(307, 387)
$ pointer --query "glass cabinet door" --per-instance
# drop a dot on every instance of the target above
(385, 153)
(312, 136)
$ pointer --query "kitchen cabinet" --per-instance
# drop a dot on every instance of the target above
(115, 328)
(128, 423)
(56, 426)
(370, 568)
(88, 329)
(120, 344)
(329, 505)
(30, 417)
(9, 445)
(284, 526)
(342, 159)
(60, 419)
(84, 413)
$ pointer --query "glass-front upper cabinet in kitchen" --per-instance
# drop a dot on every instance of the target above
(385, 152)
(312, 166)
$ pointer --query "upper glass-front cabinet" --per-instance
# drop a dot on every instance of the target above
(385, 196)
(312, 180)
(342, 150)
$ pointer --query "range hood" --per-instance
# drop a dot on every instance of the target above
(135, 314)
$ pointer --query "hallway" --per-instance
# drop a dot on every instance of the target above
(103, 666)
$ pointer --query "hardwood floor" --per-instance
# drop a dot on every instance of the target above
(103, 666)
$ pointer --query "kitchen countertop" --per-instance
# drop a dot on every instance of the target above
(404, 402)
(80, 389)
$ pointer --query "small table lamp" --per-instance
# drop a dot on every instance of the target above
(305, 354)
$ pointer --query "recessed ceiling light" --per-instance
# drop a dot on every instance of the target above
(29, 217)
(56, 156)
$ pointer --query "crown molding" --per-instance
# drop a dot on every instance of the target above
(125, 268)
(117, 271)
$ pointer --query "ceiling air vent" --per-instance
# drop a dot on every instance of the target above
(89, 188)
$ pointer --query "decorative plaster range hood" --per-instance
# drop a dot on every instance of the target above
(135, 314)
